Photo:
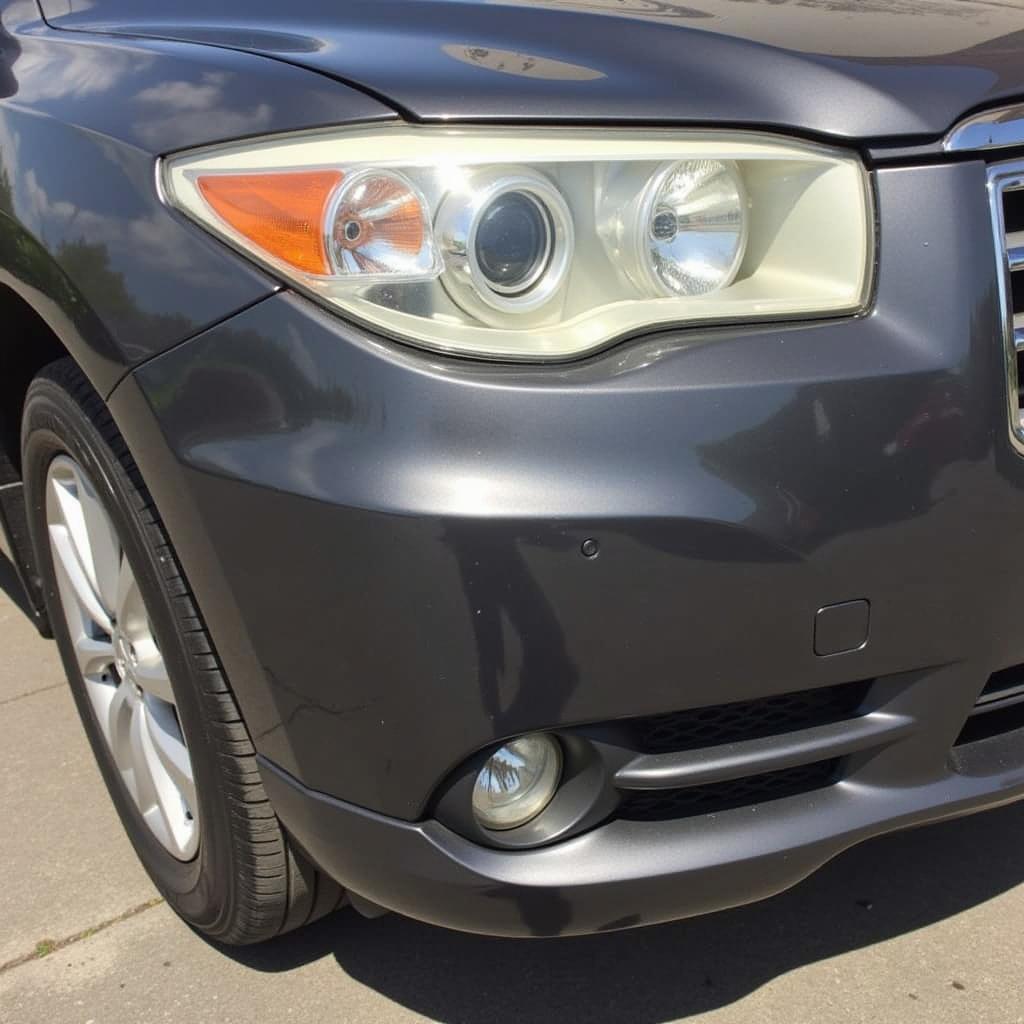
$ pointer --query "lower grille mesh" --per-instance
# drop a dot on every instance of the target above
(664, 805)
(708, 727)
(748, 720)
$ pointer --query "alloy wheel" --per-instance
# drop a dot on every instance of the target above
(124, 671)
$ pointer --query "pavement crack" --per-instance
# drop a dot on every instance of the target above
(32, 693)
(45, 947)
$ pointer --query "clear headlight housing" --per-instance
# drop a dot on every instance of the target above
(541, 243)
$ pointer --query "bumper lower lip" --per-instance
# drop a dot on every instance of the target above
(626, 874)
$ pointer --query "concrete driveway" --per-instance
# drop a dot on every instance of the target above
(926, 926)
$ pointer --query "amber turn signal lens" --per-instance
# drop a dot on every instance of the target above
(282, 213)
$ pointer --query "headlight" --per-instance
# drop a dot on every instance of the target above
(544, 243)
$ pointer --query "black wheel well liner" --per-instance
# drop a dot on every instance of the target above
(29, 345)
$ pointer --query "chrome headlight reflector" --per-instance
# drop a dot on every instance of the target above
(541, 243)
(692, 229)
(377, 225)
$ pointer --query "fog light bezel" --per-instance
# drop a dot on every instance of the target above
(583, 799)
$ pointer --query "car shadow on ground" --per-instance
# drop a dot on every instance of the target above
(884, 888)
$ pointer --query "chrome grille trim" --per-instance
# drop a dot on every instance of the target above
(993, 129)
(1002, 180)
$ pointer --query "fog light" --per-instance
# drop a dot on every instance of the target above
(517, 782)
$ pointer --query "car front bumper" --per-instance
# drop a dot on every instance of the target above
(386, 546)
(627, 874)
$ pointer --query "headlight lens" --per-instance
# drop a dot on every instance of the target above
(544, 243)
(506, 238)
(513, 242)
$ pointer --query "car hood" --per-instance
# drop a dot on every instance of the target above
(852, 69)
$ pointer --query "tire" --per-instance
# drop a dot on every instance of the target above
(235, 877)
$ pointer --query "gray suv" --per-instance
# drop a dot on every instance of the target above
(537, 467)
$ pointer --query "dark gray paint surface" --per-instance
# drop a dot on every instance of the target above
(858, 69)
(390, 553)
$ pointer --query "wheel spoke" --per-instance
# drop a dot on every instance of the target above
(125, 587)
(94, 656)
(141, 760)
(71, 569)
(158, 817)
(116, 727)
(151, 674)
(104, 548)
(90, 539)
(168, 746)
(101, 696)
(169, 770)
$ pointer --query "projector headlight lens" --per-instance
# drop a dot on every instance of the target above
(513, 242)
(517, 782)
(542, 243)
(506, 238)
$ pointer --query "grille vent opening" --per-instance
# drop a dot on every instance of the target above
(995, 723)
(747, 720)
(670, 804)
(999, 708)
(1013, 210)
(1005, 683)
(717, 724)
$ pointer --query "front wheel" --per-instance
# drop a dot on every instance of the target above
(162, 720)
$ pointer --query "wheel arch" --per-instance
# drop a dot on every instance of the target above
(29, 344)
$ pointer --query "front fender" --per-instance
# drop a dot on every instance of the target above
(84, 236)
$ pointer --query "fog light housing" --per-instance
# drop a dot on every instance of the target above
(517, 782)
